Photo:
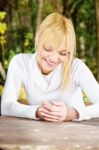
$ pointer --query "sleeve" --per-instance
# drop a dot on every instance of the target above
(9, 104)
(86, 81)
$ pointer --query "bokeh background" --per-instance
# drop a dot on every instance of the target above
(19, 20)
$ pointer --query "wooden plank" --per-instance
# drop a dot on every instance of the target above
(21, 134)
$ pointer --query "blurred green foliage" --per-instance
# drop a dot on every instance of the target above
(18, 25)
(21, 17)
(86, 34)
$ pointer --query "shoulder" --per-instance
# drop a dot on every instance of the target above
(80, 70)
(78, 65)
(21, 59)
(77, 62)
(21, 62)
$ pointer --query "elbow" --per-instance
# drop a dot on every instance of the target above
(5, 108)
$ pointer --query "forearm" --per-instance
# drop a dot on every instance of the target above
(18, 110)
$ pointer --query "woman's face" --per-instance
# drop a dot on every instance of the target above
(49, 57)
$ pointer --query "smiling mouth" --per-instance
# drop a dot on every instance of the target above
(51, 64)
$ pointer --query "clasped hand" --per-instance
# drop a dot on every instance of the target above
(53, 112)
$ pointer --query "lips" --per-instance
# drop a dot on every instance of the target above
(50, 63)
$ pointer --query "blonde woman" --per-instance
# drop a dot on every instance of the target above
(52, 77)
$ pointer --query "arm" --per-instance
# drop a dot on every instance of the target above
(86, 81)
(9, 104)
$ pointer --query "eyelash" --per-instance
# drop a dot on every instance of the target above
(48, 50)
(63, 54)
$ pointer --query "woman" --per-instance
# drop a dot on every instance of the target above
(52, 77)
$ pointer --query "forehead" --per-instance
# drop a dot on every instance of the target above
(58, 43)
(55, 44)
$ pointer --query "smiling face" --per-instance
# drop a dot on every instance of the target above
(50, 56)
(55, 43)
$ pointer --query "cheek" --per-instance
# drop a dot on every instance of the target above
(62, 59)
(43, 54)
(40, 55)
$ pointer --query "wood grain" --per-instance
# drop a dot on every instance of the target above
(21, 134)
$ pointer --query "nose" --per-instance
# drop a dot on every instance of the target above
(55, 58)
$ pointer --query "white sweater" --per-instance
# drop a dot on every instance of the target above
(23, 69)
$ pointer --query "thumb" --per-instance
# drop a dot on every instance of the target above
(46, 103)
(57, 103)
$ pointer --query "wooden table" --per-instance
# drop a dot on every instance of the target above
(25, 134)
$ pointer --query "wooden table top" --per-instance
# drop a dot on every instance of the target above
(25, 134)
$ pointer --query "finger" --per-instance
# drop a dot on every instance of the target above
(57, 103)
(51, 120)
(55, 113)
(42, 109)
(50, 113)
(46, 103)
(45, 115)
(48, 106)
(52, 107)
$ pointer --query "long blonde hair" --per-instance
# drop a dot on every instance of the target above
(59, 27)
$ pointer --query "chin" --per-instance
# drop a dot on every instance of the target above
(46, 70)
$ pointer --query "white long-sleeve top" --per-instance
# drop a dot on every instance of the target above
(23, 69)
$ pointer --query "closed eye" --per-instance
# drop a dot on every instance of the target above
(47, 49)
(64, 53)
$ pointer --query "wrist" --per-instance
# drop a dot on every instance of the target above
(72, 114)
(37, 113)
